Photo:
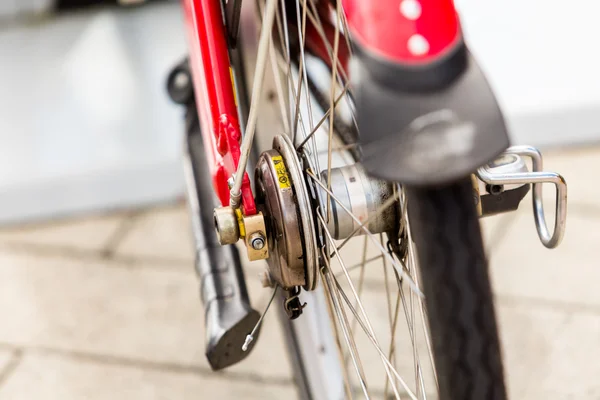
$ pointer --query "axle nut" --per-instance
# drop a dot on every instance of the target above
(226, 225)
(257, 241)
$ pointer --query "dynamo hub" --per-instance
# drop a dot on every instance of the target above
(282, 197)
(288, 203)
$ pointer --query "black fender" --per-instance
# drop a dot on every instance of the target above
(425, 125)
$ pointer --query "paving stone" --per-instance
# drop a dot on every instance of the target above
(105, 308)
(162, 233)
(55, 377)
(86, 233)
(522, 266)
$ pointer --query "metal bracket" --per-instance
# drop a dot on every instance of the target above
(292, 305)
(537, 178)
(256, 237)
(231, 225)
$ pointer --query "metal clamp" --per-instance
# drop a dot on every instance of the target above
(255, 237)
(231, 225)
(537, 178)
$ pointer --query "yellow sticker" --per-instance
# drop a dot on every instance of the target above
(233, 85)
(240, 219)
(282, 174)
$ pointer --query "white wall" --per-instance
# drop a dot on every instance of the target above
(85, 121)
(543, 60)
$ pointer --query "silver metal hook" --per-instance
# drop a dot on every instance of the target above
(537, 178)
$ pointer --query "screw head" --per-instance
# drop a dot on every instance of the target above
(257, 241)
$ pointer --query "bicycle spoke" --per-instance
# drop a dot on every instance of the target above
(354, 292)
(360, 265)
(334, 68)
(413, 263)
(303, 78)
(361, 281)
(323, 119)
(338, 342)
(409, 316)
(393, 329)
(257, 85)
(392, 316)
(343, 321)
(284, 45)
(315, 19)
(285, 117)
(374, 341)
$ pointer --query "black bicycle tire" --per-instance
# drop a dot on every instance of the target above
(458, 295)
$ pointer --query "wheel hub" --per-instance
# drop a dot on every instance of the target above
(282, 197)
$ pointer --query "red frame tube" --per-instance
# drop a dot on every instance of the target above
(215, 97)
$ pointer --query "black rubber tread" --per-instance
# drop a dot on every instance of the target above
(458, 297)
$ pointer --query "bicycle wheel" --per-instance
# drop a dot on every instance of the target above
(403, 305)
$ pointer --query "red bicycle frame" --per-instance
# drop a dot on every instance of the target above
(215, 97)
(409, 32)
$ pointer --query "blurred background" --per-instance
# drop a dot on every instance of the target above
(98, 298)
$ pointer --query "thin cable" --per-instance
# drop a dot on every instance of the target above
(250, 337)
(259, 75)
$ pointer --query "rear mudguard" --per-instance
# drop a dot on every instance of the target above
(427, 124)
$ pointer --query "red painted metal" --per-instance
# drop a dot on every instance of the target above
(215, 98)
(387, 27)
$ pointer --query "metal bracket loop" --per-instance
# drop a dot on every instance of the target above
(537, 178)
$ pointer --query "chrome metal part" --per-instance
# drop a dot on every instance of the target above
(255, 236)
(494, 177)
(506, 163)
(231, 225)
(257, 241)
(493, 199)
(363, 196)
(284, 146)
(226, 225)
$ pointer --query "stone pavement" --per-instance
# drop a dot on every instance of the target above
(106, 307)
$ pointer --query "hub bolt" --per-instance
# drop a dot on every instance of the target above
(257, 241)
